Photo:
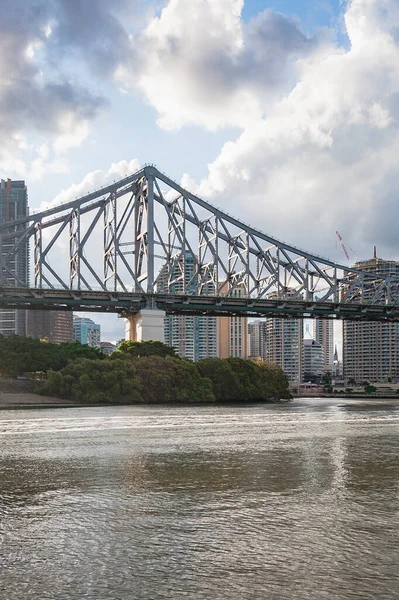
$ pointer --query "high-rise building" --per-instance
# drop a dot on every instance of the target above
(232, 332)
(13, 205)
(193, 337)
(323, 334)
(257, 339)
(284, 343)
(313, 361)
(371, 349)
(86, 331)
(56, 326)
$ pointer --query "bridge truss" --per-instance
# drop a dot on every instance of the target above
(145, 240)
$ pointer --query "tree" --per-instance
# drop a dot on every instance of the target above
(236, 379)
(150, 348)
(327, 379)
(88, 380)
(20, 355)
(75, 350)
(370, 389)
(225, 383)
(169, 380)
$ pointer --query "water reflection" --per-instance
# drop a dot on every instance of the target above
(296, 502)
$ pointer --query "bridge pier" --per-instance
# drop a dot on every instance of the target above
(146, 325)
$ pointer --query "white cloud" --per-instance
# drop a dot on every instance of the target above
(324, 156)
(199, 64)
(94, 181)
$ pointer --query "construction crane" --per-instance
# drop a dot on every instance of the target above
(343, 245)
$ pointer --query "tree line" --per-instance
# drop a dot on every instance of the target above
(146, 372)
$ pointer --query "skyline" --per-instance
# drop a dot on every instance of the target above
(290, 104)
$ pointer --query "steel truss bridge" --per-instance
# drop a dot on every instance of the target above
(145, 242)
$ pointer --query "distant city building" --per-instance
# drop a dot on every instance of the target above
(56, 326)
(107, 348)
(313, 361)
(323, 333)
(193, 337)
(371, 349)
(232, 332)
(257, 339)
(284, 344)
(13, 205)
(337, 366)
(86, 331)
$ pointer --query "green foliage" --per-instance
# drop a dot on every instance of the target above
(172, 380)
(370, 389)
(149, 372)
(95, 381)
(225, 383)
(235, 379)
(75, 350)
(20, 355)
(150, 348)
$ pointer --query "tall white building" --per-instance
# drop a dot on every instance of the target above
(370, 348)
(284, 344)
(13, 205)
(257, 339)
(193, 337)
(313, 361)
(323, 334)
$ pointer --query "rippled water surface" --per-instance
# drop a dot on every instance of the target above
(295, 501)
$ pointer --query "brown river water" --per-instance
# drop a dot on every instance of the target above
(295, 501)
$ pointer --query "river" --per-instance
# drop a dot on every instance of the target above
(294, 501)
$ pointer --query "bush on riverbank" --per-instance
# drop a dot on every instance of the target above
(21, 355)
(166, 379)
(88, 380)
(235, 379)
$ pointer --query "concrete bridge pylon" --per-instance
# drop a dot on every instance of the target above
(146, 325)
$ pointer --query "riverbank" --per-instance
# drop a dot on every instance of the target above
(20, 401)
(29, 400)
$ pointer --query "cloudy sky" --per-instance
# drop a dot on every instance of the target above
(285, 112)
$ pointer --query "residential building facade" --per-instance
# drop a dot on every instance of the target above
(232, 332)
(313, 361)
(323, 334)
(193, 337)
(86, 331)
(107, 348)
(13, 205)
(56, 326)
(257, 339)
(284, 344)
(370, 349)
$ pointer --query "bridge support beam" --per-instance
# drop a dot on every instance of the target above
(146, 325)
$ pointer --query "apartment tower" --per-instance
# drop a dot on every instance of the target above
(257, 339)
(284, 343)
(323, 334)
(232, 332)
(13, 205)
(371, 349)
(193, 337)
(56, 326)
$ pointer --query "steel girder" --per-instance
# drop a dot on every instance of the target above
(157, 237)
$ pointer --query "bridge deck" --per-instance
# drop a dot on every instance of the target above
(127, 302)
